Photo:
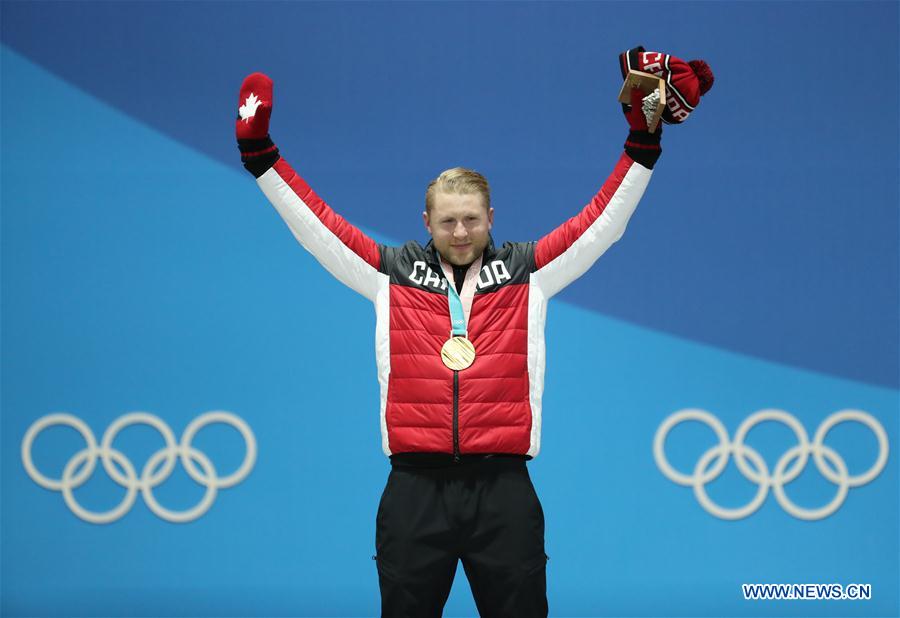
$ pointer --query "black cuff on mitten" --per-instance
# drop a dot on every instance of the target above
(643, 146)
(258, 155)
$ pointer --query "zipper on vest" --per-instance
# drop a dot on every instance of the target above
(455, 416)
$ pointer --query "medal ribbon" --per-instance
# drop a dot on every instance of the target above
(457, 315)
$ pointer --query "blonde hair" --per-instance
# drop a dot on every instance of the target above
(458, 180)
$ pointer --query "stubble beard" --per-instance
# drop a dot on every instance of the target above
(458, 259)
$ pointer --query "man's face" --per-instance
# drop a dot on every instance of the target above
(459, 225)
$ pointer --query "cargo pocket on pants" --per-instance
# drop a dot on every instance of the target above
(536, 565)
(397, 600)
(530, 597)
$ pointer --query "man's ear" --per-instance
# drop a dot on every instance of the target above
(490, 217)
(425, 219)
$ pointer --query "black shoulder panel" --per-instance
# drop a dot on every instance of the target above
(511, 264)
(412, 266)
(416, 266)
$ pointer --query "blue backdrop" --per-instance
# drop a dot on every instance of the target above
(142, 270)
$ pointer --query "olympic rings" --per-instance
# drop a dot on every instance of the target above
(706, 469)
(168, 455)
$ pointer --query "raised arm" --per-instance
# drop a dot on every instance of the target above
(567, 252)
(344, 250)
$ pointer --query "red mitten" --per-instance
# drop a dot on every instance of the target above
(641, 145)
(252, 126)
(635, 114)
(254, 107)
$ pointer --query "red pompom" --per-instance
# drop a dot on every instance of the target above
(704, 75)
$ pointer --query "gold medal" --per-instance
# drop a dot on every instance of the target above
(458, 353)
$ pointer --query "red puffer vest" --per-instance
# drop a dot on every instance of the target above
(494, 406)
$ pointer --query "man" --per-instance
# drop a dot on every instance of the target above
(460, 356)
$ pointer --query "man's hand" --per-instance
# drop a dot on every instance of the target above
(254, 107)
(252, 126)
(634, 113)
(641, 145)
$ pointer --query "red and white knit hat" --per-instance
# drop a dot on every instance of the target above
(686, 82)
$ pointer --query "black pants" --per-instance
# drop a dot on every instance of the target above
(486, 514)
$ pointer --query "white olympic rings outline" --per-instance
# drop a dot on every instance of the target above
(704, 473)
(148, 479)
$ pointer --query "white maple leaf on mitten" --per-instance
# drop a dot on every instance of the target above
(248, 109)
